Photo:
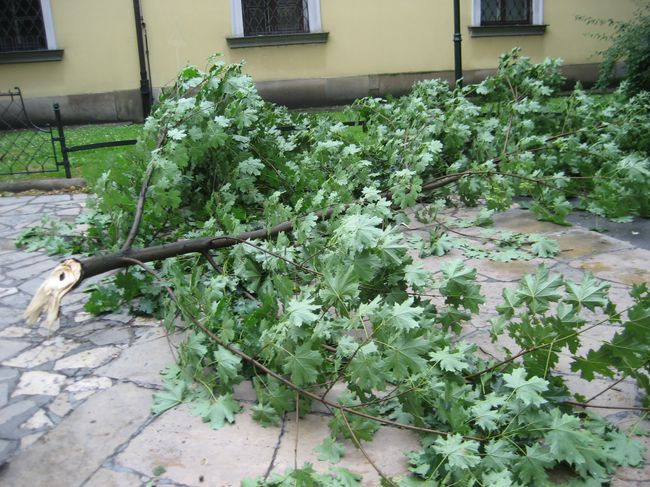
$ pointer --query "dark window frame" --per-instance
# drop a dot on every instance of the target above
(265, 19)
(503, 15)
(20, 32)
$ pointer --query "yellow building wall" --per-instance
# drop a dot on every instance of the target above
(365, 37)
(100, 55)
(565, 37)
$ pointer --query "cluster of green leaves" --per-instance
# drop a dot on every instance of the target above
(546, 315)
(308, 477)
(497, 245)
(341, 299)
(509, 138)
(54, 236)
(629, 43)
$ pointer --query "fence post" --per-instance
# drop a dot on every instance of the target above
(64, 148)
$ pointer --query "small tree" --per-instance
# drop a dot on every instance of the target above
(630, 43)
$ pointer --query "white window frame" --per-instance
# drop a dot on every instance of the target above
(537, 7)
(237, 17)
(48, 23)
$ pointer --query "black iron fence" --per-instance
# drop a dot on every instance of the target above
(26, 148)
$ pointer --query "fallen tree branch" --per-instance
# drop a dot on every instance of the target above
(284, 380)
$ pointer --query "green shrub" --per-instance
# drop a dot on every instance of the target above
(630, 44)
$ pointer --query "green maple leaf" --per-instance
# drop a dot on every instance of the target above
(218, 411)
(416, 276)
(539, 290)
(625, 451)
(456, 271)
(570, 442)
(367, 370)
(366, 265)
(340, 287)
(346, 478)
(303, 365)
(330, 450)
(265, 415)
(271, 391)
(404, 356)
(552, 209)
(251, 273)
(195, 343)
(452, 318)
(439, 244)
(363, 429)
(305, 476)
(415, 482)
(460, 454)
(391, 246)
(459, 287)
(499, 455)
(485, 414)
(508, 255)
(170, 397)
(526, 390)
(545, 247)
(228, 365)
(531, 468)
(299, 311)
(590, 293)
(511, 302)
(403, 316)
(450, 361)
(498, 479)
(359, 232)
(252, 167)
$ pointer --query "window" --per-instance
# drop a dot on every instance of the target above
(275, 22)
(275, 16)
(27, 32)
(506, 12)
(21, 25)
(507, 18)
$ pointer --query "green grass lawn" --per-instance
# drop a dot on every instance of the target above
(86, 164)
(90, 164)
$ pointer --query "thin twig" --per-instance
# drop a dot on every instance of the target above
(139, 210)
(505, 144)
(295, 445)
(357, 443)
(345, 366)
(602, 406)
(614, 384)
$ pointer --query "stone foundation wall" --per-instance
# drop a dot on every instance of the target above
(123, 106)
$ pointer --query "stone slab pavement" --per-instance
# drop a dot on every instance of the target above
(75, 406)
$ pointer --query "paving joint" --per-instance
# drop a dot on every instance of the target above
(276, 449)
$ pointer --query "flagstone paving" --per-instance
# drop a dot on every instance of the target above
(75, 406)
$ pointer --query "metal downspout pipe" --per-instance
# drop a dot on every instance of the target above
(145, 83)
(458, 59)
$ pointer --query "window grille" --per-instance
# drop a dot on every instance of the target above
(498, 12)
(21, 26)
(275, 17)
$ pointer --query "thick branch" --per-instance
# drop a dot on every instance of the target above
(94, 266)
(139, 210)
